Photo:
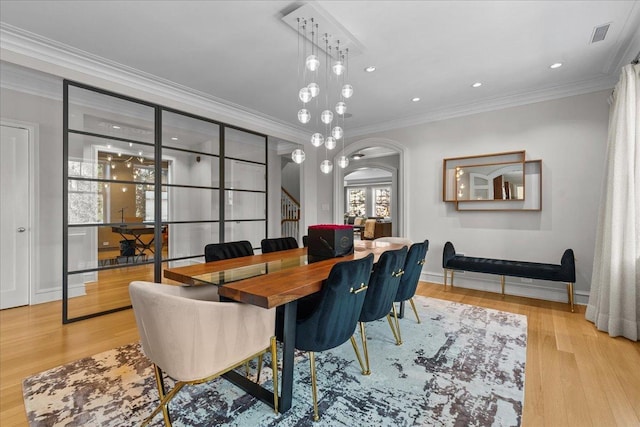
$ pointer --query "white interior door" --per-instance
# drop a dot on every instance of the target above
(14, 217)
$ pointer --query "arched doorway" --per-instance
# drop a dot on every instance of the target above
(382, 154)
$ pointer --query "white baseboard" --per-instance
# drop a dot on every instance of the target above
(539, 289)
(55, 294)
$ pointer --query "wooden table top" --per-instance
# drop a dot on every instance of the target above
(277, 287)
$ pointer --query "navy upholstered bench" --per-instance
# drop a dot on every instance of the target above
(563, 272)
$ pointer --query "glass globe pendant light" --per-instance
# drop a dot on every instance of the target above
(317, 139)
(341, 108)
(330, 142)
(337, 132)
(343, 161)
(304, 116)
(338, 68)
(347, 91)
(298, 156)
(326, 117)
(314, 88)
(305, 94)
(326, 166)
(312, 62)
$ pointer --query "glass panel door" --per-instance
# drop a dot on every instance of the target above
(109, 164)
(146, 188)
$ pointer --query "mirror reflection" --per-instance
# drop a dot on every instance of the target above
(490, 182)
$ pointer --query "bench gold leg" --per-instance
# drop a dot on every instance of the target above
(570, 293)
(446, 273)
(502, 284)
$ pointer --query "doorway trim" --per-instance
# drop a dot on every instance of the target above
(338, 179)
(32, 164)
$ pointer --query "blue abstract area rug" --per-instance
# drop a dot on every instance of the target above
(462, 366)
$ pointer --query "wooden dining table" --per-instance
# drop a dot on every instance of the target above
(271, 280)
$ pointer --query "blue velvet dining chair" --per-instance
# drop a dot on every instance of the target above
(227, 250)
(383, 287)
(278, 244)
(409, 281)
(331, 318)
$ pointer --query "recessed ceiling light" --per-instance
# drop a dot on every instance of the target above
(556, 65)
(370, 69)
(115, 127)
(416, 99)
(357, 156)
(476, 84)
(174, 138)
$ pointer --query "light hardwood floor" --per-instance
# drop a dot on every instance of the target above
(575, 375)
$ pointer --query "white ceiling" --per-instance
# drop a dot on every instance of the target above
(242, 54)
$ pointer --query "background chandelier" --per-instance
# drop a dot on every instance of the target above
(323, 90)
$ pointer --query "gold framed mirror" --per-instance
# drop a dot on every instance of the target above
(499, 181)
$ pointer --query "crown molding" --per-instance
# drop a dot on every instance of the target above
(514, 100)
(30, 81)
(48, 56)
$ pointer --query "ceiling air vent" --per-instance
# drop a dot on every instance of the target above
(599, 33)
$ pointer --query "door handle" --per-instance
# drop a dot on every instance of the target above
(21, 229)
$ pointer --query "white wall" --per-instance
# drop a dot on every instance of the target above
(274, 183)
(568, 134)
(47, 229)
(291, 177)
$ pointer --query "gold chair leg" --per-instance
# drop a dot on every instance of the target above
(502, 284)
(164, 399)
(161, 393)
(246, 369)
(395, 315)
(365, 349)
(312, 362)
(393, 328)
(355, 348)
(259, 369)
(570, 292)
(274, 368)
(452, 278)
(446, 273)
(413, 305)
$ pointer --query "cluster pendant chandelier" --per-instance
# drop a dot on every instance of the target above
(323, 91)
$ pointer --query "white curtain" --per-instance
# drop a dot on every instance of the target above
(614, 302)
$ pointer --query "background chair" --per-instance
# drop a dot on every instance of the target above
(378, 303)
(409, 280)
(278, 244)
(275, 245)
(220, 251)
(369, 229)
(193, 338)
(332, 320)
(398, 240)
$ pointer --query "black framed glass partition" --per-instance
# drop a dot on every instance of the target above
(245, 186)
(142, 191)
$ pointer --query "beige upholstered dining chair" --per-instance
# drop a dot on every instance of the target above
(193, 338)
